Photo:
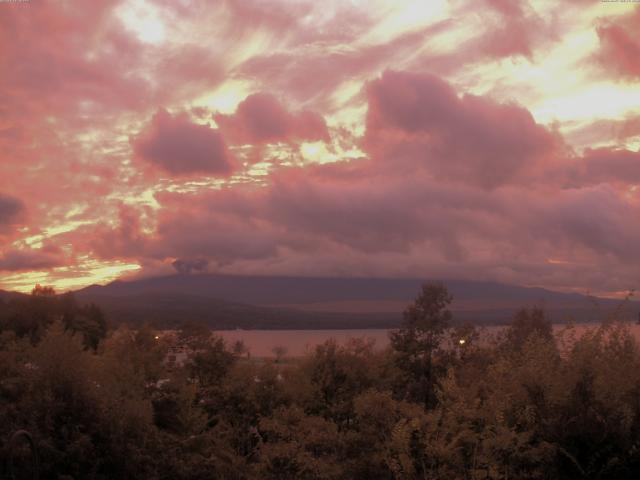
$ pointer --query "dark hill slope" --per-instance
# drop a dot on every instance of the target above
(225, 301)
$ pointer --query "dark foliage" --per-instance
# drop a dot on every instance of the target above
(442, 403)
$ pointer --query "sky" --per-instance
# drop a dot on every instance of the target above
(490, 140)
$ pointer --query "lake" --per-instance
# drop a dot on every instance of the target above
(298, 342)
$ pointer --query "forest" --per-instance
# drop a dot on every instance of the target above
(104, 403)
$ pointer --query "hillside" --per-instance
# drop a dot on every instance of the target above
(5, 295)
(225, 301)
(171, 309)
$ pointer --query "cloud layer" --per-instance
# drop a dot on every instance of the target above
(10, 209)
(621, 45)
(392, 139)
(260, 119)
(179, 146)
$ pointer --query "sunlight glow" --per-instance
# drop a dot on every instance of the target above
(35, 241)
(317, 152)
(555, 261)
(143, 19)
(69, 278)
(405, 16)
(605, 100)
(226, 98)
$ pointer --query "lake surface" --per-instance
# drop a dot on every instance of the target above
(299, 342)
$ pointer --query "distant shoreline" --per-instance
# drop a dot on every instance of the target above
(299, 342)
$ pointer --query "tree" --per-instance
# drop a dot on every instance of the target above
(526, 322)
(195, 335)
(209, 364)
(338, 373)
(296, 445)
(40, 291)
(91, 323)
(279, 351)
(32, 316)
(239, 348)
(419, 337)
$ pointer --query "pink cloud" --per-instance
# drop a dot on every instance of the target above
(313, 76)
(605, 131)
(261, 118)
(10, 210)
(31, 259)
(452, 182)
(455, 183)
(593, 218)
(620, 45)
(185, 71)
(320, 220)
(420, 118)
(518, 31)
(614, 166)
(43, 51)
(220, 237)
(125, 241)
(182, 147)
(74, 79)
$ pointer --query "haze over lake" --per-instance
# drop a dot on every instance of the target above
(261, 343)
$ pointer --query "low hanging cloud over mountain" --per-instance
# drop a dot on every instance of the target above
(188, 266)
(440, 139)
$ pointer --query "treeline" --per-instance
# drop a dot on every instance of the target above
(438, 404)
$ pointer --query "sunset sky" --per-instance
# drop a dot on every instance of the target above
(487, 140)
